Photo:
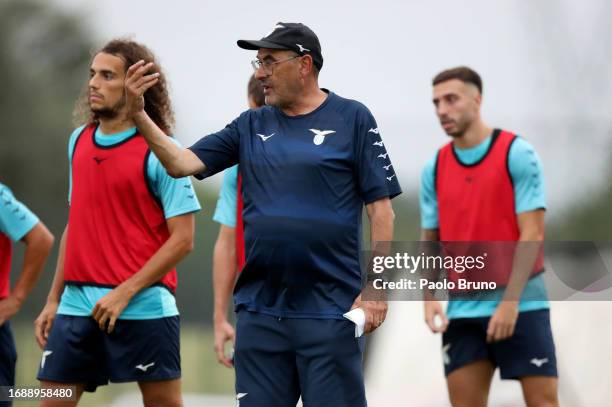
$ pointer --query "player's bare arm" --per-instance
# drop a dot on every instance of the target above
(381, 218)
(178, 161)
(180, 243)
(531, 227)
(44, 322)
(435, 317)
(38, 243)
(224, 277)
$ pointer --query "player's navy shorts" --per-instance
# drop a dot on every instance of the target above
(529, 352)
(8, 359)
(277, 360)
(78, 351)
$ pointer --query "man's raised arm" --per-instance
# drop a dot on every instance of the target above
(178, 161)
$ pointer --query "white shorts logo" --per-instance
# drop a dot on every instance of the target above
(538, 362)
(238, 397)
(144, 368)
(445, 357)
(44, 358)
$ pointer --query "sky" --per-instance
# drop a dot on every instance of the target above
(543, 64)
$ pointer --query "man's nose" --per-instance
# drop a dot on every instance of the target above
(441, 110)
(260, 73)
(93, 83)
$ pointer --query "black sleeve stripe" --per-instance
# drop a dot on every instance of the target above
(148, 181)
(436, 172)
(79, 138)
(508, 160)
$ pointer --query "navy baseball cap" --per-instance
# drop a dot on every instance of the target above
(290, 36)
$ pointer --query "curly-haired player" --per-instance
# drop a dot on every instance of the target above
(111, 313)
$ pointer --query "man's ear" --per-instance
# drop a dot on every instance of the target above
(306, 65)
(478, 98)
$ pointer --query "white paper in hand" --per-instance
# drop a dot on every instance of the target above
(357, 316)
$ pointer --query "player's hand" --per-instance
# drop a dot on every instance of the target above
(108, 308)
(375, 313)
(8, 307)
(138, 80)
(434, 313)
(503, 321)
(224, 332)
(44, 322)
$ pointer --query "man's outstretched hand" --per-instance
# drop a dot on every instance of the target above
(137, 82)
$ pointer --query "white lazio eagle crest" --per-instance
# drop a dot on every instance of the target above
(319, 137)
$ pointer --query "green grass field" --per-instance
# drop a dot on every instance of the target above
(201, 372)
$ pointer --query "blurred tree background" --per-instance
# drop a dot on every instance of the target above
(588, 218)
(44, 63)
(44, 60)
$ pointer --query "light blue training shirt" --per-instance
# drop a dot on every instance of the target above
(225, 212)
(154, 302)
(526, 171)
(16, 220)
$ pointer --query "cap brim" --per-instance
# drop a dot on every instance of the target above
(255, 45)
